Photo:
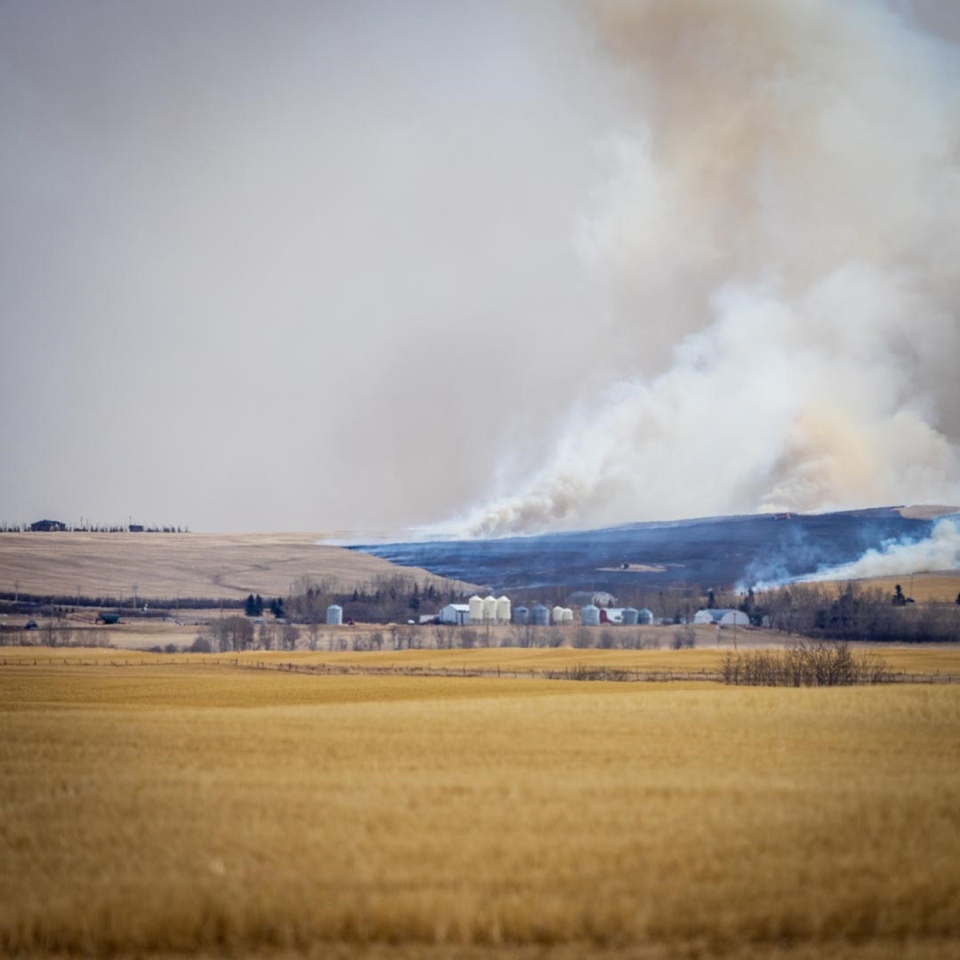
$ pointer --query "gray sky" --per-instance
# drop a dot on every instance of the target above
(493, 265)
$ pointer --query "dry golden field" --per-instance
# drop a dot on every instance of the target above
(167, 565)
(175, 807)
(942, 587)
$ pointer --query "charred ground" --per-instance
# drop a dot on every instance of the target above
(717, 551)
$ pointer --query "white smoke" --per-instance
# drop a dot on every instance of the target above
(939, 552)
(778, 233)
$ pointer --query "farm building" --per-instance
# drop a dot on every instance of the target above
(561, 615)
(540, 615)
(474, 609)
(458, 613)
(722, 617)
(48, 526)
(590, 615)
(334, 615)
(628, 616)
(599, 598)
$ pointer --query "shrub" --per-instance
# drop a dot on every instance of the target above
(818, 664)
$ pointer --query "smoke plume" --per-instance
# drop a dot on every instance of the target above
(367, 265)
(940, 551)
(777, 230)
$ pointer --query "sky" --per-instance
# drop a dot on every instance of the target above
(476, 268)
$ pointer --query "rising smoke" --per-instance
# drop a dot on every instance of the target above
(777, 228)
(329, 266)
(940, 551)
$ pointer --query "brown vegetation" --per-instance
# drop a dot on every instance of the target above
(818, 664)
(192, 809)
(184, 565)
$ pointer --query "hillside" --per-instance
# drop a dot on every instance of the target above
(719, 552)
(165, 566)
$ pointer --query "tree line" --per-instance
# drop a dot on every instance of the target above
(855, 612)
(97, 528)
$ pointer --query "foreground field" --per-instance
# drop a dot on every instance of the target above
(178, 808)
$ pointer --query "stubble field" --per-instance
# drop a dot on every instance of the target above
(176, 808)
(170, 565)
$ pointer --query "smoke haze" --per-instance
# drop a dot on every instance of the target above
(483, 267)
(940, 551)
(778, 227)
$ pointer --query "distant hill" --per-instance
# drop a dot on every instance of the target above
(719, 552)
(165, 566)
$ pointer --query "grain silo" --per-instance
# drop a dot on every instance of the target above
(503, 609)
(590, 615)
(567, 615)
(334, 615)
(630, 616)
(556, 615)
(521, 615)
(645, 616)
(476, 610)
(541, 615)
(490, 609)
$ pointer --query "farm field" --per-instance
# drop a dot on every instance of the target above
(943, 587)
(168, 565)
(180, 807)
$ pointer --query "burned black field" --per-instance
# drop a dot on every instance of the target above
(720, 552)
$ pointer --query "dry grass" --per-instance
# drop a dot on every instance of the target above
(187, 809)
(185, 565)
(927, 511)
(513, 662)
(942, 587)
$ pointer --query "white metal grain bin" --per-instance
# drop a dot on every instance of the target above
(503, 609)
(476, 610)
(590, 615)
(556, 614)
(567, 615)
(334, 615)
(490, 609)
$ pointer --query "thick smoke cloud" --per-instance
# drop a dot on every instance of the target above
(779, 225)
(371, 265)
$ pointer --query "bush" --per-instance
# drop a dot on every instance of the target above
(818, 664)
(609, 640)
(584, 638)
(201, 644)
(684, 637)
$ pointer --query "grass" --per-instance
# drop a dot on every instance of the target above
(942, 587)
(185, 565)
(176, 808)
(919, 660)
